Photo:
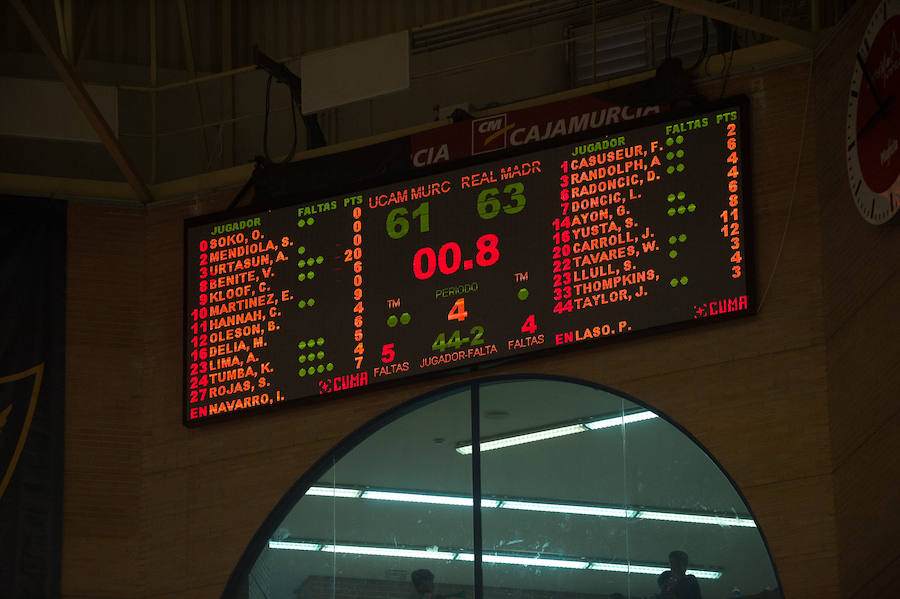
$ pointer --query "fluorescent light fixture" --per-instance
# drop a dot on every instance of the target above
(550, 433)
(333, 492)
(534, 506)
(464, 556)
(559, 508)
(389, 551)
(294, 545)
(620, 420)
(697, 519)
(710, 574)
(559, 431)
(642, 569)
(518, 560)
(630, 568)
(426, 498)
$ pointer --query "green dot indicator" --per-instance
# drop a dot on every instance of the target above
(670, 155)
(310, 220)
(301, 264)
(681, 210)
(320, 259)
(320, 354)
(679, 153)
(684, 280)
(670, 141)
(523, 294)
(320, 369)
(392, 321)
(301, 345)
(311, 275)
(673, 254)
(682, 238)
(674, 282)
(311, 357)
(311, 343)
(301, 223)
(670, 169)
(679, 139)
(672, 240)
(680, 195)
(329, 367)
(310, 262)
(671, 212)
(311, 302)
(301, 359)
(692, 207)
(311, 370)
(671, 197)
(302, 372)
(302, 303)
(320, 341)
(680, 167)
(405, 318)
(301, 277)
(301, 250)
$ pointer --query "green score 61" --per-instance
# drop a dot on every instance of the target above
(489, 204)
(397, 225)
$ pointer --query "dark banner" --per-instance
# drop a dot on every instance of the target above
(32, 369)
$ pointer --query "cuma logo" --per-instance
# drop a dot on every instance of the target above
(489, 133)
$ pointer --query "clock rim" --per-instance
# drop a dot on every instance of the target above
(884, 10)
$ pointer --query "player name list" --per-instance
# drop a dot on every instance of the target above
(584, 241)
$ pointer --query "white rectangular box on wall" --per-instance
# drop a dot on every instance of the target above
(353, 72)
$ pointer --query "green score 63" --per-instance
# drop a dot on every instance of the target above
(489, 204)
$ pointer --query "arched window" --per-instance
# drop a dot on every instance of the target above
(583, 493)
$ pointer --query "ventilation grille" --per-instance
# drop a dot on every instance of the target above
(636, 44)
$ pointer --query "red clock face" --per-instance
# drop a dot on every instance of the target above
(879, 148)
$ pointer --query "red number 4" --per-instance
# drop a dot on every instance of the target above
(458, 311)
(529, 326)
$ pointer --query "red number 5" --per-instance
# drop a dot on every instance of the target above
(387, 353)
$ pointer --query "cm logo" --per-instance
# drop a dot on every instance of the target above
(489, 133)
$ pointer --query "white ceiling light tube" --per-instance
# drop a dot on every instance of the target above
(425, 498)
(518, 560)
(644, 569)
(389, 551)
(559, 508)
(620, 420)
(465, 556)
(629, 568)
(334, 492)
(697, 519)
(294, 545)
(558, 431)
(534, 506)
(550, 433)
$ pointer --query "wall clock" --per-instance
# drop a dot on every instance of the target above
(873, 117)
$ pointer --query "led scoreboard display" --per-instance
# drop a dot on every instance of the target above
(586, 239)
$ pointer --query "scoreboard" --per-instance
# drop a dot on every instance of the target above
(584, 239)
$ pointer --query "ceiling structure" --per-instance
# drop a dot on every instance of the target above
(183, 44)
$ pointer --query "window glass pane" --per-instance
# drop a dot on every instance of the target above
(398, 503)
(685, 504)
(558, 484)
